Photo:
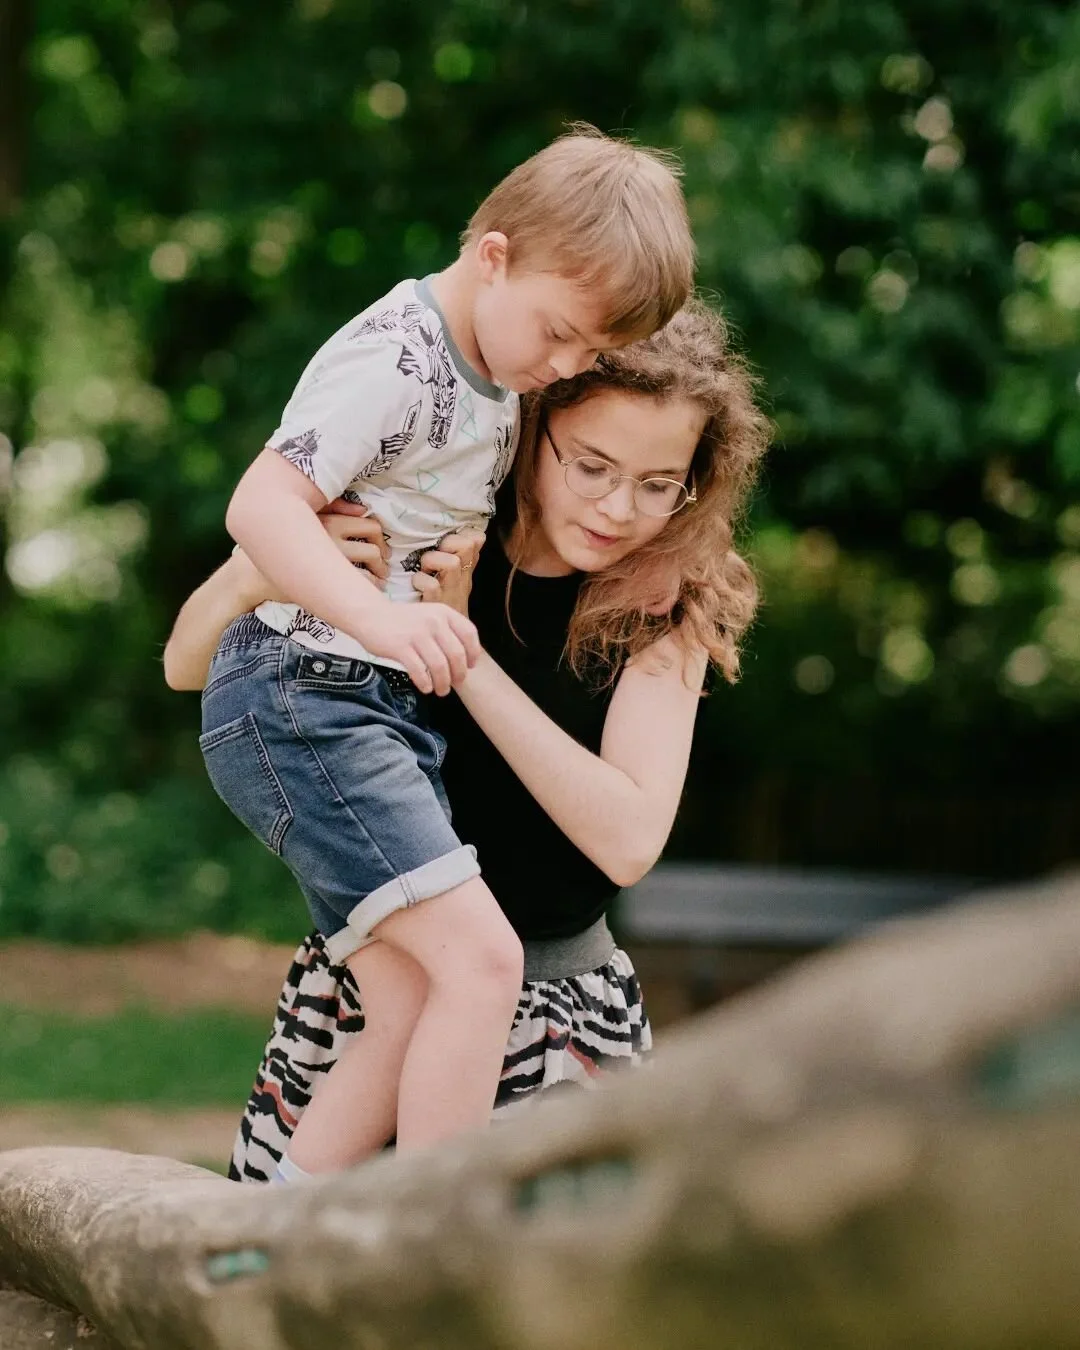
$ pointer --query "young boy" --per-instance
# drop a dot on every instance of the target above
(311, 731)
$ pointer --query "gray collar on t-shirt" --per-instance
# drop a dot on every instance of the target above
(467, 372)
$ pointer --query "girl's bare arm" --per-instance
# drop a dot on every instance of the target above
(204, 616)
(238, 586)
(618, 807)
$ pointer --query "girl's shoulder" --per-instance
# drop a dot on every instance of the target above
(675, 651)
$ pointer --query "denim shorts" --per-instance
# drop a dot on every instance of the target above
(335, 771)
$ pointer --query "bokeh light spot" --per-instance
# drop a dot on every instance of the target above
(934, 120)
(814, 674)
(975, 583)
(387, 100)
(1027, 666)
(453, 62)
(170, 261)
(906, 655)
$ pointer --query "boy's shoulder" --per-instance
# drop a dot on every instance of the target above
(403, 328)
(398, 313)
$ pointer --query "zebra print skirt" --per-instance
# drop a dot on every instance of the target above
(566, 1031)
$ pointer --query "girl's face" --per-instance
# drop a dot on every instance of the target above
(637, 435)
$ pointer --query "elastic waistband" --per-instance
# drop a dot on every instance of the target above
(562, 958)
(249, 628)
(245, 630)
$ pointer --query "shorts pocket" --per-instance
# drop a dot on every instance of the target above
(317, 670)
(244, 778)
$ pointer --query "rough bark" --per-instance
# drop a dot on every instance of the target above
(877, 1150)
(29, 1323)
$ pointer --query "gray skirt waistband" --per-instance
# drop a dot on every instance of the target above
(562, 958)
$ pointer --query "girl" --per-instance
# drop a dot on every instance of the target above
(610, 587)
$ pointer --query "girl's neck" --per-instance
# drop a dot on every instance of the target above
(534, 553)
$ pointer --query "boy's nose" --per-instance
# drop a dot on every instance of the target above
(586, 360)
(564, 364)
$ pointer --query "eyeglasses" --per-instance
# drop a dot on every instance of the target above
(590, 476)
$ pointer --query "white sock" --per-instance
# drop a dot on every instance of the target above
(287, 1170)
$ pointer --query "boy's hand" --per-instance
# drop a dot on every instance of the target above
(434, 643)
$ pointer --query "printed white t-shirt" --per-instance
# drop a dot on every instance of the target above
(389, 413)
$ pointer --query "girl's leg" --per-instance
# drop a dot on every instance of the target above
(354, 1109)
(473, 963)
(317, 1015)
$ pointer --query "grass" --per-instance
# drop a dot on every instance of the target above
(197, 1058)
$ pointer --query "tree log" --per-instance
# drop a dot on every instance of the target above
(878, 1149)
(29, 1323)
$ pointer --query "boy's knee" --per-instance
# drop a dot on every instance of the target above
(463, 941)
(488, 967)
(501, 960)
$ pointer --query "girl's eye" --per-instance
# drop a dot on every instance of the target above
(592, 468)
(659, 487)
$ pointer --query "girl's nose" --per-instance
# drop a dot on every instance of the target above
(619, 502)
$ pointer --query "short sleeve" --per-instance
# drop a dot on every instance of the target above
(351, 415)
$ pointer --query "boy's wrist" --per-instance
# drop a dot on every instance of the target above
(364, 602)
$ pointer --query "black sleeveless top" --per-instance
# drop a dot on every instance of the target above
(546, 886)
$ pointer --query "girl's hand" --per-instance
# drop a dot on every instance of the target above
(446, 572)
(359, 536)
(356, 534)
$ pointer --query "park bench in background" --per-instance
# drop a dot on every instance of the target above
(700, 932)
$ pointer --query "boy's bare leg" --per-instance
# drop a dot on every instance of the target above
(473, 962)
(353, 1112)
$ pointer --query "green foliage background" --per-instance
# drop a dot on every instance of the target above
(194, 194)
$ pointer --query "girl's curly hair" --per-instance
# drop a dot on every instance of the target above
(688, 580)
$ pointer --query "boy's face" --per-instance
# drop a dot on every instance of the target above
(534, 327)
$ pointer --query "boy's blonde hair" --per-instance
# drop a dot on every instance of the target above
(605, 213)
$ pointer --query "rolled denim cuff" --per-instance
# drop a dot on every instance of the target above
(423, 883)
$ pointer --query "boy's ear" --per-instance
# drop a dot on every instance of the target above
(492, 254)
